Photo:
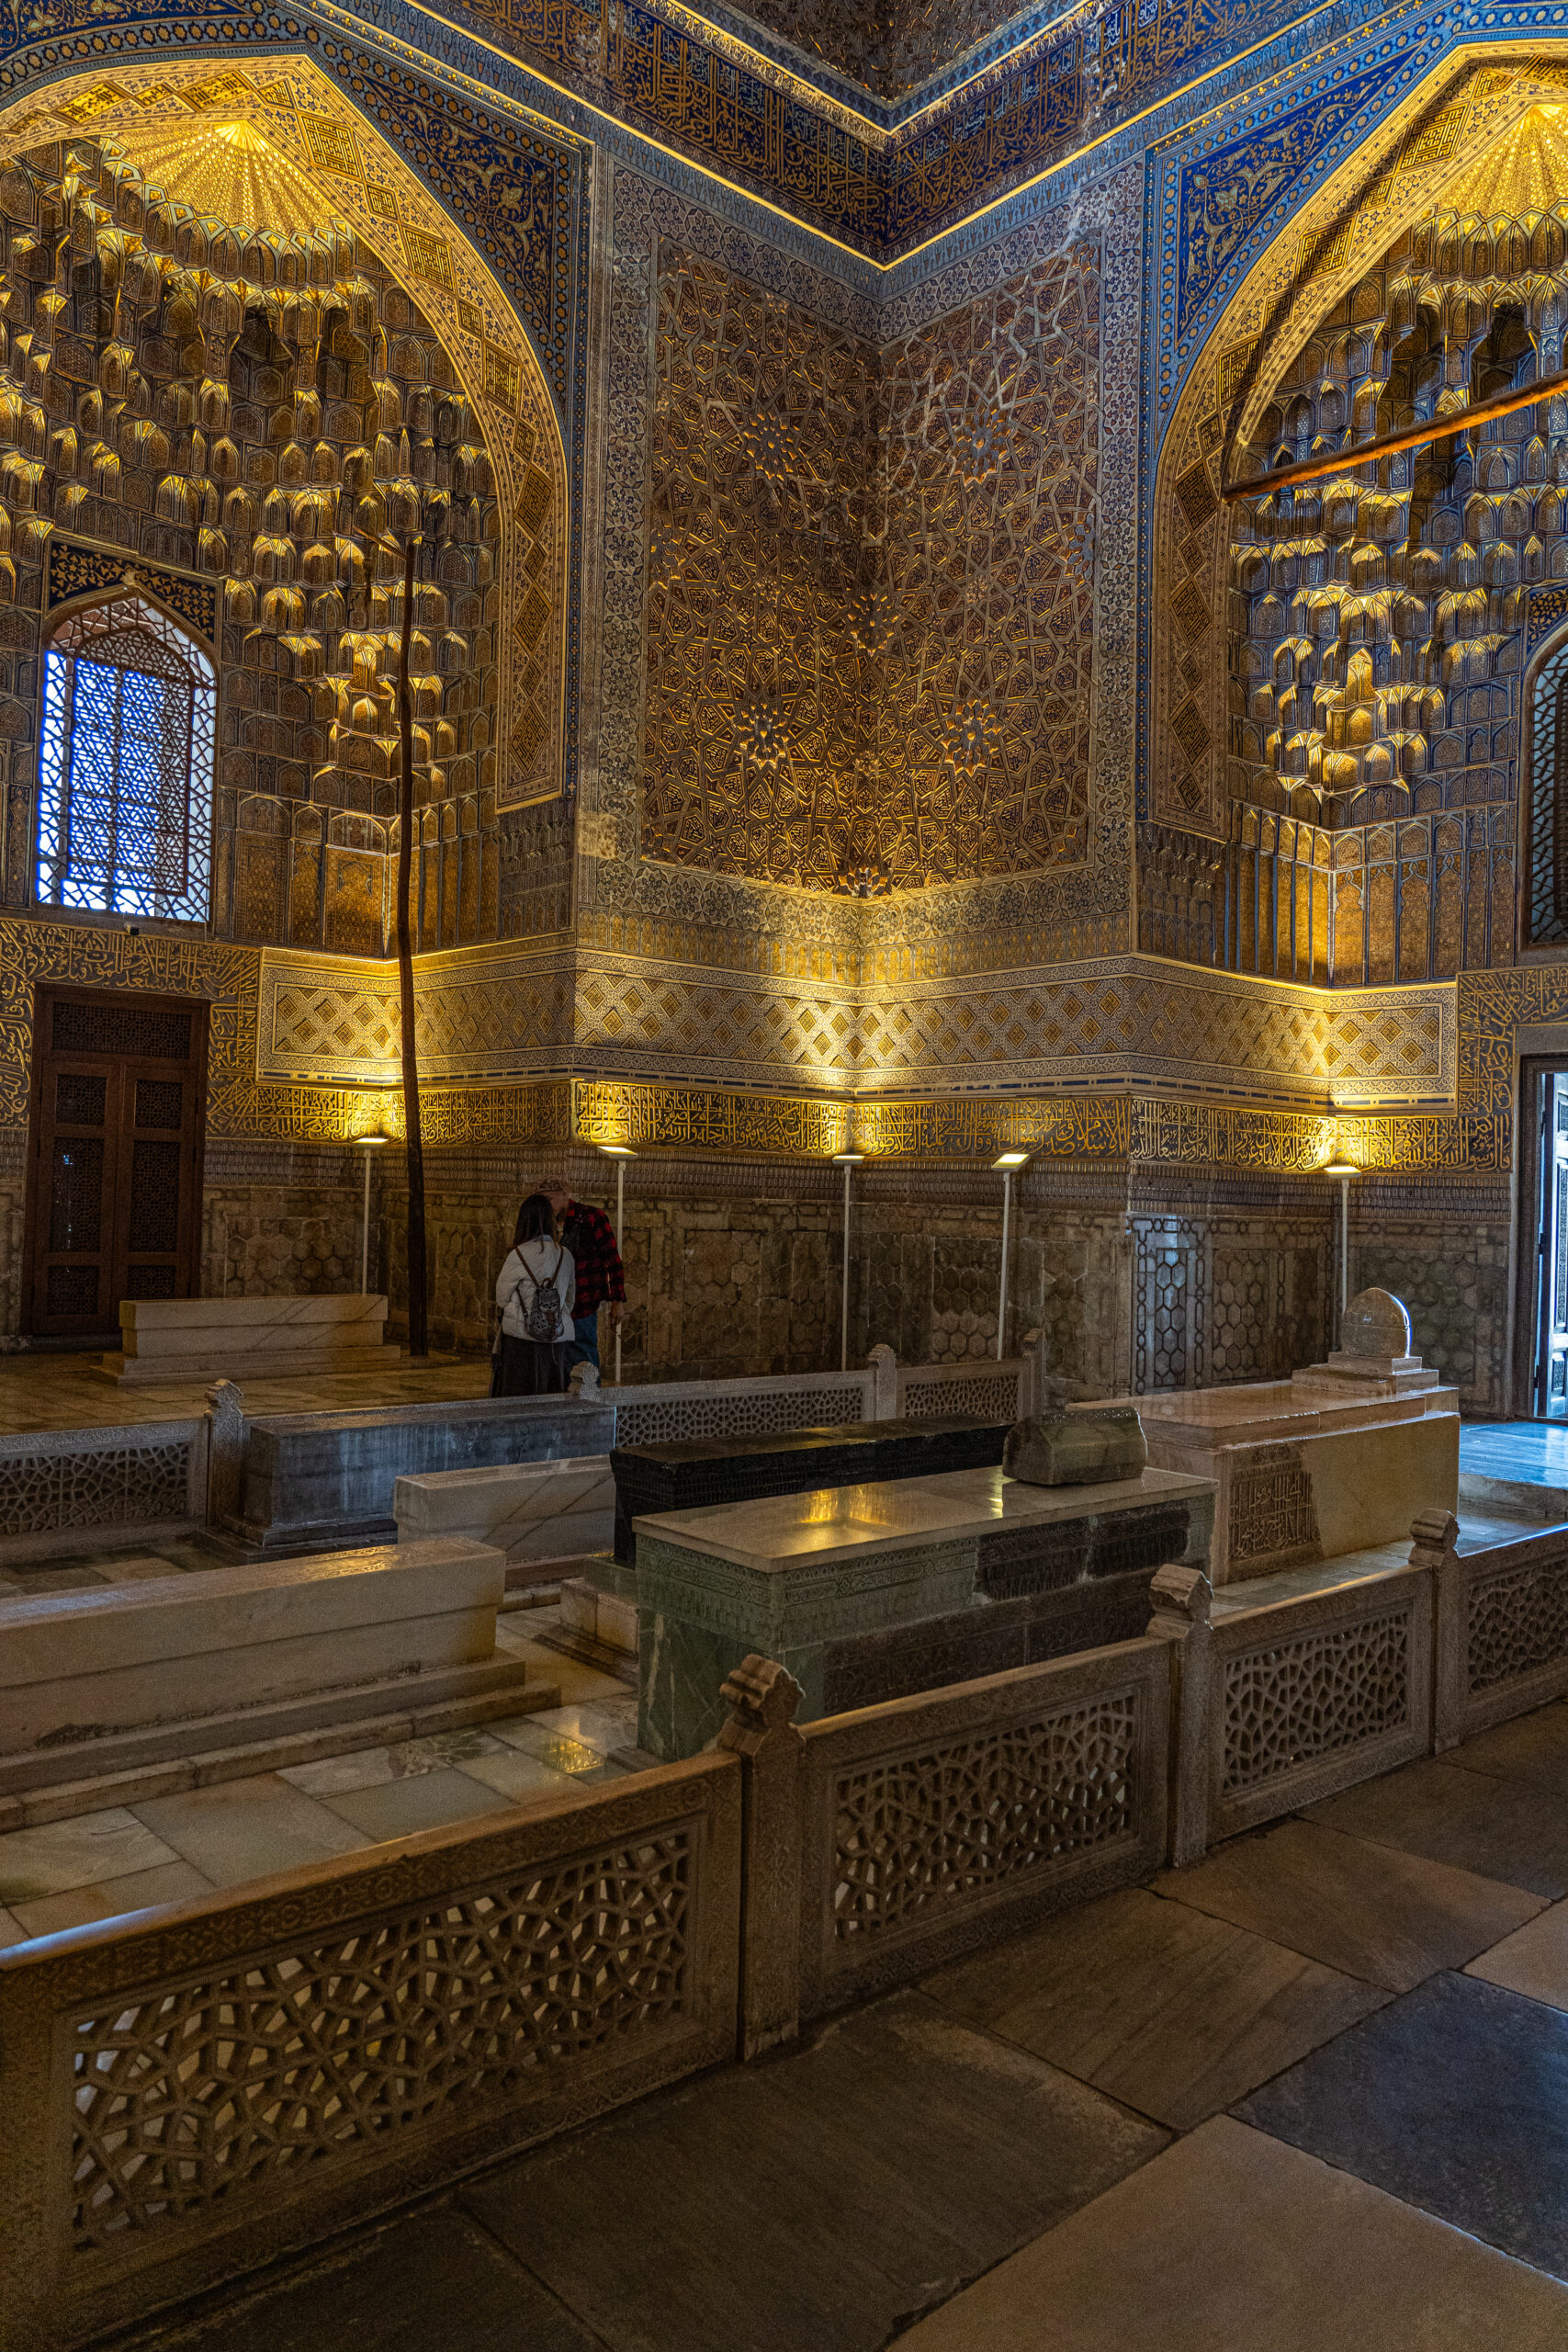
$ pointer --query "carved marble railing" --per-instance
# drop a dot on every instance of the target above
(879, 1844)
(188, 2092)
(63, 1490)
(1502, 1623)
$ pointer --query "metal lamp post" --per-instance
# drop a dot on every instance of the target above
(847, 1161)
(369, 1146)
(1342, 1170)
(1009, 1162)
(620, 1153)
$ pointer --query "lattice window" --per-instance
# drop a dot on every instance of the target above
(124, 780)
(186, 2095)
(1546, 908)
(955, 1821)
(1296, 1701)
(1519, 1623)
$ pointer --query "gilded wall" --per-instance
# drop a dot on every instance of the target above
(870, 612)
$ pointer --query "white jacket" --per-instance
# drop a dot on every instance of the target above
(536, 1262)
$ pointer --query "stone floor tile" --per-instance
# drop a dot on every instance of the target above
(563, 1755)
(600, 1722)
(1456, 2099)
(61, 1854)
(1232, 2242)
(1500, 1829)
(427, 2282)
(577, 1681)
(112, 1897)
(334, 1776)
(1533, 1747)
(1391, 1918)
(811, 2205)
(423, 1801)
(243, 1829)
(521, 1777)
(1172, 2012)
(1534, 1961)
(11, 1929)
(440, 1751)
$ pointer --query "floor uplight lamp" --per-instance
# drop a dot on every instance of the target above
(847, 1161)
(1342, 1170)
(1009, 1163)
(369, 1146)
(620, 1153)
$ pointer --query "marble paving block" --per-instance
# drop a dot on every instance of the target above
(64, 1854)
(1533, 1961)
(812, 2206)
(1230, 2242)
(1172, 2013)
(1533, 1747)
(1387, 1918)
(243, 1829)
(112, 1898)
(528, 1511)
(1454, 2099)
(424, 1801)
(1499, 1830)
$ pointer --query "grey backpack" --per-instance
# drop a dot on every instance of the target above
(542, 1316)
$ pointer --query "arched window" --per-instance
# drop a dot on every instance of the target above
(125, 777)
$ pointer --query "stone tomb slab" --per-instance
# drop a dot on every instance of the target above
(168, 1339)
(696, 1474)
(870, 1592)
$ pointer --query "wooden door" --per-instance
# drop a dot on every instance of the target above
(114, 1174)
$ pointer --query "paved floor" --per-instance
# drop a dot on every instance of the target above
(97, 1865)
(70, 1392)
(1309, 2097)
(1527, 1453)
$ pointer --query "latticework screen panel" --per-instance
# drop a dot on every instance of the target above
(192, 2094)
(740, 1413)
(991, 1393)
(118, 1484)
(1294, 1702)
(1517, 1623)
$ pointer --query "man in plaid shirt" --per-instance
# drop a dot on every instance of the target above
(588, 1234)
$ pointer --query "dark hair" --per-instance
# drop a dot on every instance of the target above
(535, 1216)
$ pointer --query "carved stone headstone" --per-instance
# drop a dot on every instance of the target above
(1376, 1324)
(1076, 1449)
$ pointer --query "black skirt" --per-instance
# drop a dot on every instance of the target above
(524, 1368)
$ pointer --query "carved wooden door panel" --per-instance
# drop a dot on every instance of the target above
(114, 1172)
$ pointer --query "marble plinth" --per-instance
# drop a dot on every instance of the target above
(529, 1510)
(871, 1592)
(1307, 1468)
(169, 1340)
(87, 1677)
(692, 1473)
(311, 1479)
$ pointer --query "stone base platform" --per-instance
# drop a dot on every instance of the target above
(105, 1683)
(172, 1340)
(874, 1592)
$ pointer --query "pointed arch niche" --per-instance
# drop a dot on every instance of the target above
(1338, 671)
(246, 354)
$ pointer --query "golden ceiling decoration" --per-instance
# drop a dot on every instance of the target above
(230, 169)
(1525, 171)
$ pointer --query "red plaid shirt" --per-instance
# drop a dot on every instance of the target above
(588, 1234)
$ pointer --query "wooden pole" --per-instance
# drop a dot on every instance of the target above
(418, 1284)
(1444, 428)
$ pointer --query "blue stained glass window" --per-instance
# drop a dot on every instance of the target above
(125, 775)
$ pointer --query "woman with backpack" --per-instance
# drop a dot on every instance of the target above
(536, 1292)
